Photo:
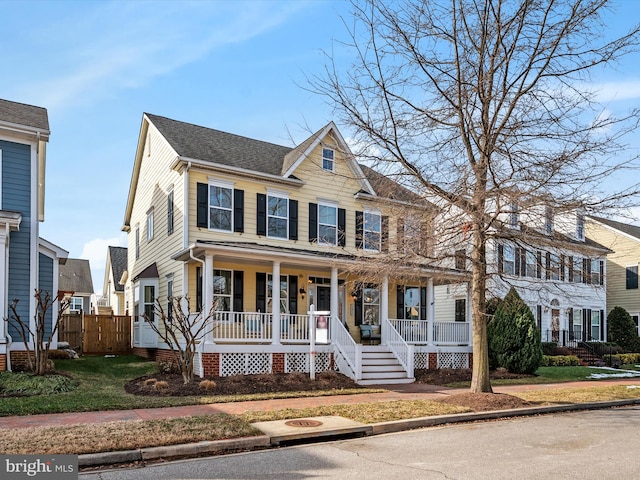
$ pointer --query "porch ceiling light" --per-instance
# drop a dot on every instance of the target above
(354, 295)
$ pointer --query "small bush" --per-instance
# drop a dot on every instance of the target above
(628, 358)
(207, 385)
(59, 354)
(161, 385)
(168, 366)
(622, 330)
(560, 361)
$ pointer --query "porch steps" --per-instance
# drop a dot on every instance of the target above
(380, 366)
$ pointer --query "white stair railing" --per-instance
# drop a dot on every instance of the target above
(400, 349)
(347, 353)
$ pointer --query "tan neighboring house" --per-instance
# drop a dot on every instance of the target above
(262, 233)
(75, 282)
(112, 300)
(622, 265)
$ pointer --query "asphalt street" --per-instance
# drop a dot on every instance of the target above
(600, 444)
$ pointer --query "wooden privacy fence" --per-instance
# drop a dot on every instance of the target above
(91, 334)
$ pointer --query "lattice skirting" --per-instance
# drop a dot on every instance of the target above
(255, 363)
(299, 362)
(421, 360)
(453, 360)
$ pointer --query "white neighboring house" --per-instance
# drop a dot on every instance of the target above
(558, 271)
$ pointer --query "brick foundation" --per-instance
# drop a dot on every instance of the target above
(433, 361)
(3, 362)
(19, 360)
(277, 360)
(211, 364)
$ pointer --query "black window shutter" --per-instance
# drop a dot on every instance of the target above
(293, 294)
(423, 303)
(238, 211)
(357, 307)
(588, 270)
(539, 265)
(570, 269)
(517, 261)
(523, 262)
(602, 272)
(202, 201)
(548, 266)
(293, 220)
(400, 302)
(585, 273)
(632, 277)
(359, 229)
(313, 222)
(261, 292)
(342, 227)
(400, 235)
(261, 220)
(586, 323)
(500, 257)
(238, 291)
(385, 233)
(562, 267)
(199, 288)
(571, 324)
(539, 317)
(602, 325)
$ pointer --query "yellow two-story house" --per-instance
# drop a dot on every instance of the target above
(262, 234)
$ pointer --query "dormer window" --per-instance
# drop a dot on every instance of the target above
(514, 216)
(327, 159)
(580, 226)
(548, 220)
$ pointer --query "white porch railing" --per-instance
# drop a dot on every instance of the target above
(451, 333)
(254, 327)
(294, 328)
(400, 348)
(347, 353)
(416, 332)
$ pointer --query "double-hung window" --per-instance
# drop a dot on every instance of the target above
(170, 209)
(75, 304)
(577, 269)
(580, 226)
(595, 272)
(150, 225)
(277, 216)
(595, 324)
(149, 299)
(372, 228)
(327, 224)
(284, 294)
(222, 290)
(328, 159)
(531, 264)
(508, 260)
(632, 277)
(221, 206)
(554, 266)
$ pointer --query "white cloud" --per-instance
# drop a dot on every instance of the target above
(616, 91)
(119, 46)
(96, 252)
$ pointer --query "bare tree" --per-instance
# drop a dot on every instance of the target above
(481, 103)
(40, 336)
(182, 331)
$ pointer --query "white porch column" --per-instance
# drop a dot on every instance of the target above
(384, 309)
(207, 294)
(4, 284)
(334, 307)
(469, 312)
(275, 304)
(431, 311)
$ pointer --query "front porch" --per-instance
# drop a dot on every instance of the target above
(244, 343)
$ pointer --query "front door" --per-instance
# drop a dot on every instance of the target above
(555, 325)
(323, 298)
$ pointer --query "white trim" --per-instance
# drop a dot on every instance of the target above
(0, 179)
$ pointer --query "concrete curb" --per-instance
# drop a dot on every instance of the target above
(264, 441)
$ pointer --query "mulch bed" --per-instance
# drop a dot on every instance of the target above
(238, 384)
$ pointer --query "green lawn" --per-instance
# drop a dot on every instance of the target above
(100, 386)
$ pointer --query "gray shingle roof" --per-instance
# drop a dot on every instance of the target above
(632, 230)
(118, 257)
(22, 114)
(75, 276)
(222, 148)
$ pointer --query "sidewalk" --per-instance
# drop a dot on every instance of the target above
(413, 391)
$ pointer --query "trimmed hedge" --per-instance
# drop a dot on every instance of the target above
(628, 358)
(560, 361)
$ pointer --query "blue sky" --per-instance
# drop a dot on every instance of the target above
(235, 66)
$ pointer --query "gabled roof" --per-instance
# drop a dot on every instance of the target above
(75, 276)
(118, 264)
(387, 188)
(202, 143)
(630, 230)
(20, 114)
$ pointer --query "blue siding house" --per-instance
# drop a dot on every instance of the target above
(27, 262)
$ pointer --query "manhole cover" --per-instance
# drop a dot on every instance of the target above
(303, 423)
